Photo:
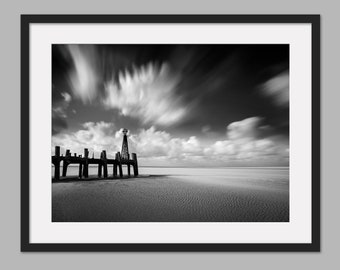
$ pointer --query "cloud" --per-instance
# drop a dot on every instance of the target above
(206, 129)
(147, 93)
(243, 146)
(61, 101)
(248, 142)
(94, 136)
(85, 76)
(250, 150)
(246, 129)
(150, 142)
(277, 88)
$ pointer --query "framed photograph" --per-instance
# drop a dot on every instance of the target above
(170, 133)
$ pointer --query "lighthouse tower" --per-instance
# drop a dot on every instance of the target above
(125, 148)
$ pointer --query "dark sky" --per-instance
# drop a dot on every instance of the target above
(179, 91)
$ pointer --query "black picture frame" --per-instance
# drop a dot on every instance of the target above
(26, 20)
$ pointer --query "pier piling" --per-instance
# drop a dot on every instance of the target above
(100, 170)
(57, 163)
(128, 165)
(119, 164)
(66, 162)
(80, 175)
(86, 163)
(104, 160)
(135, 164)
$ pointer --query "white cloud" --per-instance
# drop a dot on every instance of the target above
(148, 93)
(67, 97)
(94, 136)
(244, 150)
(278, 89)
(150, 143)
(85, 76)
(245, 129)
(246, 144)
(155, 147)
(59, 108)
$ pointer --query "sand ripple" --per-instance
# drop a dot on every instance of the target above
(172, 198)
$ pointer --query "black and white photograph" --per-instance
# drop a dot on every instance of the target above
(170, 133)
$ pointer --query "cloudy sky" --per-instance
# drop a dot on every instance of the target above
(184, 105)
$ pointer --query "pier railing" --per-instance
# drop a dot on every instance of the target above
(85, 161)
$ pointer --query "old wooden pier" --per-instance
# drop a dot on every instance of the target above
(85, 161)
(102, 162)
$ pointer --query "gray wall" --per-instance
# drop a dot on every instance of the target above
(10, 134)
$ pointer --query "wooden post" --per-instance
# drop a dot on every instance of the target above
(80, 170)
(104, 163)
(86, 163)
(128, 165)
(57, 163)
(66, 162)
(114, 170)
(100, 169)
(119, 164)
(135, 164)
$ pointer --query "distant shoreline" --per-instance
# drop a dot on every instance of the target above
(200, 167)
(74, 178)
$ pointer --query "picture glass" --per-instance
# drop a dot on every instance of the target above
(170, 132)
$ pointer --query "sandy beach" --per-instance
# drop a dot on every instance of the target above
(255, 195)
